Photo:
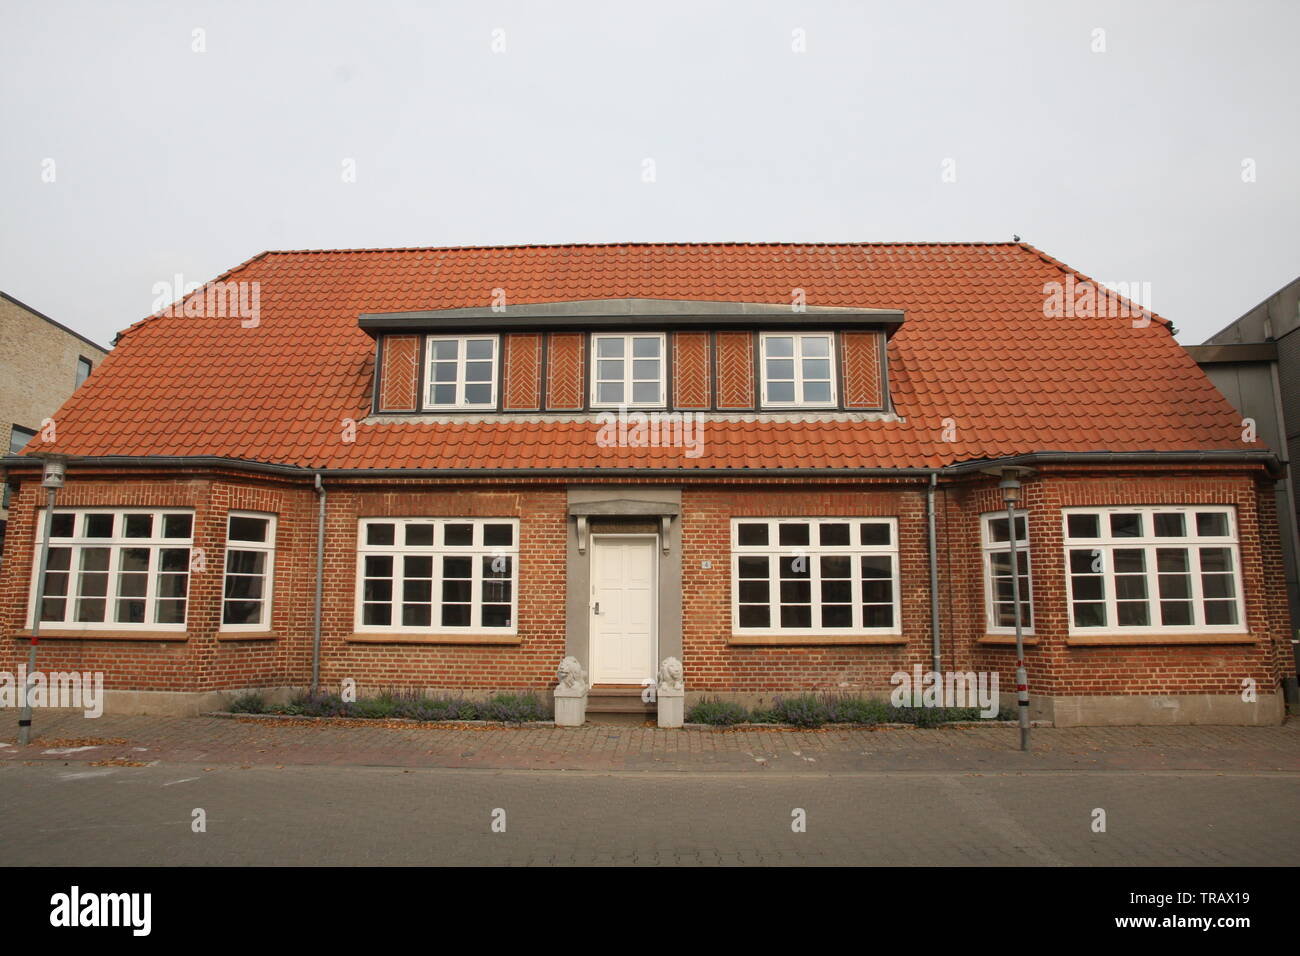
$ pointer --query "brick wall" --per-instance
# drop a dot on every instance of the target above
(201, 658)
(207, 659)
(530, 664)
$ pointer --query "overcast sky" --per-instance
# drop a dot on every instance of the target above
(1129, 162)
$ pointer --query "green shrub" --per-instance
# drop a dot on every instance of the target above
(843, 709)
(720, 713)
(380, 707)
(251, 702)
(514, 708)
(804, 710)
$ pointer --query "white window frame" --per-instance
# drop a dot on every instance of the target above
(268, 578)
(78, 542)
(799, 336)
(1106, 544)
(990, 547)
(438, 550)
(854, 550)
(460, 404)
(628, 380)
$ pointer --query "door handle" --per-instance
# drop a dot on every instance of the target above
(596, 609)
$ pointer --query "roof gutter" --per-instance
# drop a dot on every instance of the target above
(991, 465)
(1031, 459)
(300, 471)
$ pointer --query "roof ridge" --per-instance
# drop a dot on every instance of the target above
(644, 245)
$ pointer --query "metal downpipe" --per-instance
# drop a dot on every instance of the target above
(934, 575)
(320, 585)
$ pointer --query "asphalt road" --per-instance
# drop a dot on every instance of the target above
(79, 815)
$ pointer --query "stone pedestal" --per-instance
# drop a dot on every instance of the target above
(570, 711)
(670, 693)
(672, 709)
(571, 694)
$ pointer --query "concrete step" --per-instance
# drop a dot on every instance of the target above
(618, 699)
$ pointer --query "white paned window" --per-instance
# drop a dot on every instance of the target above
(1159, 570)
(999, 600)
(250, 564)
(122, 568)
(804, 576)
(798, 370)
(438, 575)
(461, 371)
(627, 370)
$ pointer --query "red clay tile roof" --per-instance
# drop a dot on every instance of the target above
(975, 348)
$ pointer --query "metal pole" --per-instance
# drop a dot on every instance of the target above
(934, 578)
(1009, 488)
(320, 585)
(25, 716)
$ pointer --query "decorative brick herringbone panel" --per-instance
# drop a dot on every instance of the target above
(735, 370)
(691, 370)
(861, 370)
(564, 378)
(399, 383)
(523, 372)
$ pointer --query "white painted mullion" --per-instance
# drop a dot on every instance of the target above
(399, 577)
(814, 587)
(799, 397)
(476, 585)
(268, 571)
(896, 586)
(735, 582)
(855, 582)
(154, 568)
(1198, 592)
(112, 579)
(629, 379)
(1109, 585)
(1152, 576)
(1238, 583)
(514, 585)
(774, 589)
(462, 351)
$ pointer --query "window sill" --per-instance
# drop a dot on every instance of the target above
(371, 638)
(247, 635)
(1029, 640)
(84, 634)
(1119, 640)
(802, 640)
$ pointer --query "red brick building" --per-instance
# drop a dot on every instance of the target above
(729, 454)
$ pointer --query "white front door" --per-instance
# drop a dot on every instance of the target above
(623, 600)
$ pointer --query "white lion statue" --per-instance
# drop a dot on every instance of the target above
(571, 675)
(670, 675)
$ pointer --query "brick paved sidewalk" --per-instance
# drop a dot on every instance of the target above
(69, 737)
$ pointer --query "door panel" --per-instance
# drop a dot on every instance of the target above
(623, 595)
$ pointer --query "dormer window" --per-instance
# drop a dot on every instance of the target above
(586, 356)
(628, 370)
(797, 370)
(461, 371)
